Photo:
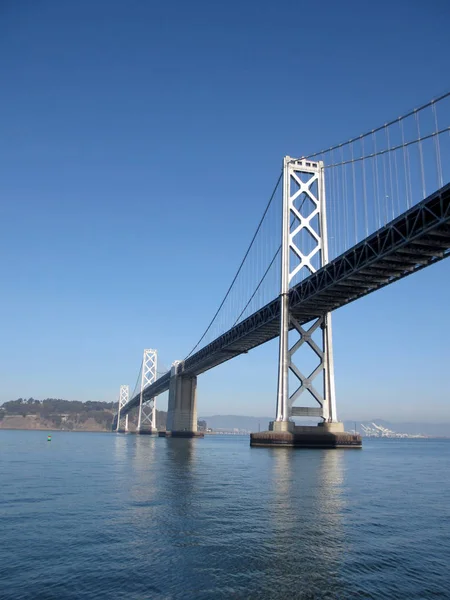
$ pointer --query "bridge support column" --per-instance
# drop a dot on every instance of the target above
(304, 249)
(182, 408)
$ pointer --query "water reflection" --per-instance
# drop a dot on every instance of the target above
(144, 486)
(180, 474)
(144, 452)
(228, 513)
(305, 524)
(120, 450)
(283, 507)
(332, 481)
(195, 520)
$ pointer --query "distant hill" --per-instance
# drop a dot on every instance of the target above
(68, 415)
(55, 413)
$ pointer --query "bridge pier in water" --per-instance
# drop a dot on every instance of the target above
(304, 182)
(182, 406)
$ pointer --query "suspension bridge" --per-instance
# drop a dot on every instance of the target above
(340, 223)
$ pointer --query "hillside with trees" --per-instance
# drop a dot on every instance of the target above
(67, 415)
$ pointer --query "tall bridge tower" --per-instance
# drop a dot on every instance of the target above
(304, 246)
(388, 218)
(303, 184)
(147, 406)
(122, 421)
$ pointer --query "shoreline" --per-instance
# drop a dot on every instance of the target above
(210, 433)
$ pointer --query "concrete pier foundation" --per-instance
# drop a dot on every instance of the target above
(182, 407)
(287, 434)
(181, 434)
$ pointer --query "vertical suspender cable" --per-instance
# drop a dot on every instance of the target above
(396, 182)
(390, 170)
(337, 213)
(437, 148)
(376, 190)
(344, 199)
(422, 172)
(411, 197)
(331, 196)
(383, 158)
(364, 187)
(405, 165)
(354, 195)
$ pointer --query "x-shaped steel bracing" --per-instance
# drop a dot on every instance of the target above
(147, 409)
(122, 422)
(300, 179)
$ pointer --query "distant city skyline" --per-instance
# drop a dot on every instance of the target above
(140, 144)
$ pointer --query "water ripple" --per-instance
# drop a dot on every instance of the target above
(99, 516)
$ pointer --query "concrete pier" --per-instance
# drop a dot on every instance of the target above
(182, 406)
(287, 434)
(181, 434)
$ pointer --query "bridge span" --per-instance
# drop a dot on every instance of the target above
(418, 238)
(312, 285)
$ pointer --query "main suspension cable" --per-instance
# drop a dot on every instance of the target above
(408, 114)
(239, 269)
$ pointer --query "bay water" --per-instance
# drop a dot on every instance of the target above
(100, 516)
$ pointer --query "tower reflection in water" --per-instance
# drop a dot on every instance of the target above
(180, 520)
(136, 479)
(164, 487)
(145, 475)
(180, 474)
(306, 536)
(217, 518)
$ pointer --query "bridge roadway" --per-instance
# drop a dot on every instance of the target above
(416, 239)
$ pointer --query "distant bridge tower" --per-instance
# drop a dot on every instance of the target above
(122, 422)
(303, 182)
(147, 407)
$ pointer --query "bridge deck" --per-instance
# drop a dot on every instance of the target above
(412, 241)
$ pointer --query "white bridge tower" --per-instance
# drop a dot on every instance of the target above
(122, 422)
(303, 182)
(147, 407)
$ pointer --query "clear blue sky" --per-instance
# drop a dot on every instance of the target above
(139, 141)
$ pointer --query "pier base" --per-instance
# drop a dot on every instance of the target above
(181, 434)
(324, 435)
(146, 432)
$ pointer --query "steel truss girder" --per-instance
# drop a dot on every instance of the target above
(385, 244)
(147, 406)
(430, 218)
